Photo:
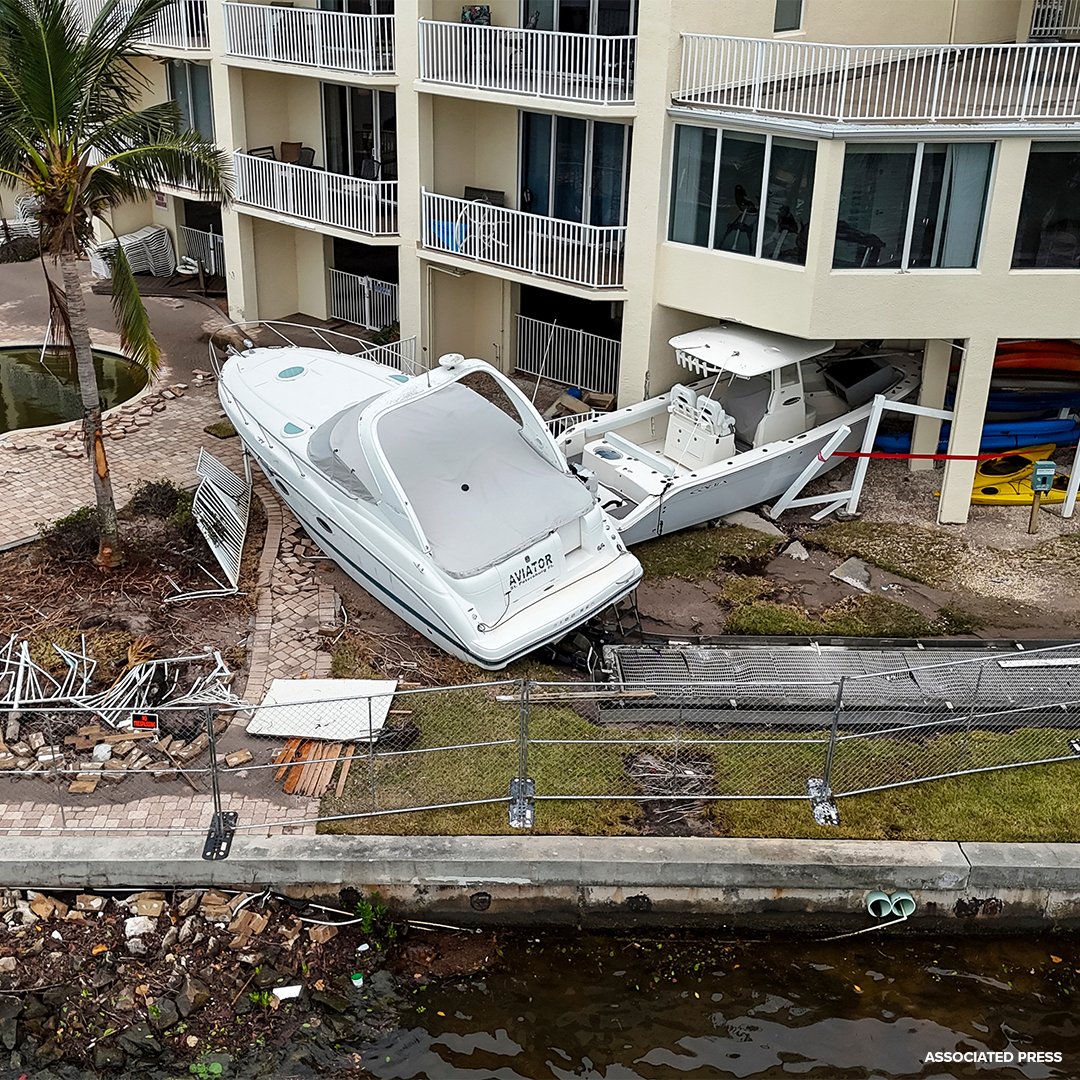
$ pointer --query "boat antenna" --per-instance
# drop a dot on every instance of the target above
(543, 363)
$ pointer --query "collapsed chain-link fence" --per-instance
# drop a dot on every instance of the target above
(556, 756)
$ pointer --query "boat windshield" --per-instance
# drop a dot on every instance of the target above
(334, 449)
(480, 492)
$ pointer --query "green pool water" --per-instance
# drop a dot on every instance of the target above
(37, 391)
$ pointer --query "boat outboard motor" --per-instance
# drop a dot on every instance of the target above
(587, 477)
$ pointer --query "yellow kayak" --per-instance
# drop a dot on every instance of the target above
(1011, 466)
(1018, 491)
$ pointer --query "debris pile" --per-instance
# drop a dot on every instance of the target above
(144, 978)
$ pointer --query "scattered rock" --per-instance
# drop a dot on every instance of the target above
(194, 994)
(7, 965)
(138, 926)
(320, 935)
(749, 520)
(853, 572)
(795, 550)
(108, 1057)
(139, 1039)
(163, 1014)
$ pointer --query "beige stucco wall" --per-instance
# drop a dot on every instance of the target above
(282, 108)
(817, 301)
(881, 22)
(275, 268)
(476, 144)
(466, 315)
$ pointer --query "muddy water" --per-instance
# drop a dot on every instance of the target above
(37, 390)
(606, 1007)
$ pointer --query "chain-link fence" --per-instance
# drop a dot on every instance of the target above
(557, 756)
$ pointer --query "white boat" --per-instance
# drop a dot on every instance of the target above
(459, 516)
(736, 437)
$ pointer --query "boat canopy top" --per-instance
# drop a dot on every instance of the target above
(480, 491)
(743, 351)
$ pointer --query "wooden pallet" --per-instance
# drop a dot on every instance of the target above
(307, 766)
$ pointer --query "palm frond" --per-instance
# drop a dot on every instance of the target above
(136, 337)
(59, 319)
(182, 160)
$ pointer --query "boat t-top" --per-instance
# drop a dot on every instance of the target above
(457, 513)
(761, 407)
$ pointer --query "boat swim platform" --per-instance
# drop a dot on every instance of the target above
(769, 684)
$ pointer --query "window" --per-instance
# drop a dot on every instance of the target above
(788, 16)
(360, 131)
(1048, 232)
(189, 86)
(605, 17)
(740, 192)
(574, 169)
(912, 205)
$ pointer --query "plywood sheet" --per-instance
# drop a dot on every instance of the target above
(338, 710)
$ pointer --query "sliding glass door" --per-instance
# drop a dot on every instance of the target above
(360, 128)
(574, 169)
(612, 18)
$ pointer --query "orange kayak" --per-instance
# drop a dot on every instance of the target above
(1037, 356)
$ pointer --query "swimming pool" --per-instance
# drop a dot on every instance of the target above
(39, 390)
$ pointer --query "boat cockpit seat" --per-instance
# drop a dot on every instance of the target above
(683, 402)
(714, 419)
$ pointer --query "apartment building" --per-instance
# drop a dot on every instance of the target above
(561, 186)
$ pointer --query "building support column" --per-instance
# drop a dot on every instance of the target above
(972, 392)
(937, 355)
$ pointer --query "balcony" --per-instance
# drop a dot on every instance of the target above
(1054, 19)
(334, 40)
(868, 85)
(313, 195)
(589, 69)
(180, 25)
(568, 251)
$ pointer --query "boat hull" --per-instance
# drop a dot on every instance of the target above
(396, 585)
(754, 477)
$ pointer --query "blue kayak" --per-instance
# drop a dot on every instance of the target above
(1004, 401)
(997, 435)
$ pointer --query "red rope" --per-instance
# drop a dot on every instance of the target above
(923, 457)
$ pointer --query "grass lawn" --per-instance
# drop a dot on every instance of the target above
(568, 755)
(904, 550)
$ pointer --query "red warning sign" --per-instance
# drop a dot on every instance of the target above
(144, 721)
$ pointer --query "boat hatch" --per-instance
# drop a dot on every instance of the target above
(289, 373)
(742, 351)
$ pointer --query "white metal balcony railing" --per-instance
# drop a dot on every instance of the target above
(1055, 19)
(912, 84)
(573, 357)
(590, 68)
(205, 247)
(335, 40)
(363, 301)
(364, 206)
(181, 25)
(589, 255)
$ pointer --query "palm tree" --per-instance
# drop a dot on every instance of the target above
(72, 132)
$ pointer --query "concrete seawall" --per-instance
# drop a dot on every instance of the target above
(598, 882)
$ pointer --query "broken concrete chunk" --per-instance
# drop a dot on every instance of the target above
(750, 520)
(795, 550)
(240, 757)
(853, 572)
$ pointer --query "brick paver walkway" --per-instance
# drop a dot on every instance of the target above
(44, 480)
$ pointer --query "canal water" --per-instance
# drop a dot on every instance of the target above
(875, 1006)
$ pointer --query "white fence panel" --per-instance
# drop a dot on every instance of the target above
(363, 301)
(590, 255)
(364, 206)
(1055, 19)
(180, 25)
(919, 84)
(336, 40)
(573, 357)
(205, 247)
(593, 68)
